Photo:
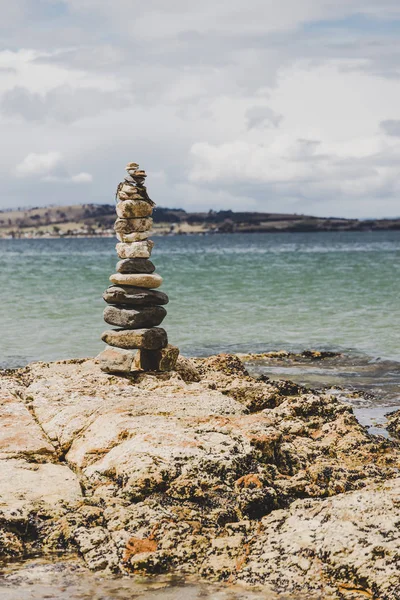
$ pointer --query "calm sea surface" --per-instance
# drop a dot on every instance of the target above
(241, 292)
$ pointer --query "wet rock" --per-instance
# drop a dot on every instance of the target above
(135, 250)
(149, 339)
(393, 419)
(134, 296)
(133, 209)
(135, 265)
(143, 280)
(129, 318)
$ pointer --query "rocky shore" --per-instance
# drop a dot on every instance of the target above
(203, 471)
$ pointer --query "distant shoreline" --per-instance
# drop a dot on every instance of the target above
(97, 220)
(193, 233)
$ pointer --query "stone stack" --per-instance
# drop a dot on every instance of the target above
(135, 307)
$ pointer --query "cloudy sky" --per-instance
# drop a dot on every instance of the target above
(281, 106)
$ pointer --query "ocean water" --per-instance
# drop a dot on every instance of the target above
(240, 292)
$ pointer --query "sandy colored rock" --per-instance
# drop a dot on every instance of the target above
(116, 360)
(133, 209)
(157, 360)
(130, 318)
(149, 339)
(224, 477)
(134, 296)
(133, 237)
(26, 488)
(135, 249)
(20, 434)
(137, 279)
(135, 265)
(125, 226)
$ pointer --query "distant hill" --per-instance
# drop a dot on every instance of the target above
(98, 219)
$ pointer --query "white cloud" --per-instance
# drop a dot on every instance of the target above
(82, 178)
(39, 164)
(266, 105)
(50, 168)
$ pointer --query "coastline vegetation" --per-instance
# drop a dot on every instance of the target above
(96, 220)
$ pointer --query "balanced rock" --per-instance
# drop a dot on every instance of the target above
(134, 305)
(134, 296)
(135, 249)
(148, 339)
(133, 225)
(139, 279)
(135, 265)
(130, 318)
(130, 196)
(116, 360)
(164, 359)
(137, 236)
(132, 209)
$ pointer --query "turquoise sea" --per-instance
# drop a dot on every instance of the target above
(233, 292)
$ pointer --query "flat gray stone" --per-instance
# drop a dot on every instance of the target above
(135, 265)
(130, 318)
(148, 339)
(134, 296)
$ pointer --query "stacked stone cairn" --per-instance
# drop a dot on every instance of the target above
(134, 306)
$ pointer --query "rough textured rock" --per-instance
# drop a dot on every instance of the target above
(137, 236)
(137, 279)
(132, 225)
(148, 316)
(135, 250)
(164, 359)
(148, 339)
(204, 471)
(394, 423)
(135, 265)
(133, 209)
(116, 360)
(134, 296)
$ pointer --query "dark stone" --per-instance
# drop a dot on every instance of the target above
(129, 318)
(148, 339)
(134, 296)
(135, 265)
(156, 360)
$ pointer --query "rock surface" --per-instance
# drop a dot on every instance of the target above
(202, 471)
(135, 265)
(134, 296)
(131, 225)
(133, 209)
(148, 339)
(138, 280)
(138, 236)
(164, 359)
(394, 423)
(116, 360)
(135, 249)
(148, 316)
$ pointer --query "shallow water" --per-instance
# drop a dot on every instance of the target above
(40, 580)
(370, 386)
(241, 292)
